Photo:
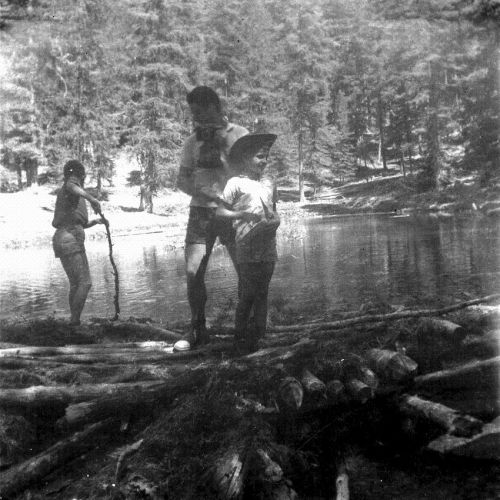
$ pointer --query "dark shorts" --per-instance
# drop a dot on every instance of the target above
(204, 227)
(68, 240)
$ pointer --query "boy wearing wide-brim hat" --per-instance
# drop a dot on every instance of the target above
(249, 200)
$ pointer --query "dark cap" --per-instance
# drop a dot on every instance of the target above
(203, 96)
(249, 145)
(74, 167)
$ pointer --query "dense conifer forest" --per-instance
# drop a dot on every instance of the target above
(411, 85)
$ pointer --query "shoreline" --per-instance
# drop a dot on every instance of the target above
(26, 216)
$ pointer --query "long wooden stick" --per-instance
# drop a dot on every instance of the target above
(371, 318)
(113, 265)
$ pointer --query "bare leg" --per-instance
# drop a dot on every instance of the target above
(196, 257)
(76, 267)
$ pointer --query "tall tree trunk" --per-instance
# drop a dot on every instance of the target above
(380, 121)
(302, 197)
(433, 165)
(493, 164)
(29, 173)
(19, 172)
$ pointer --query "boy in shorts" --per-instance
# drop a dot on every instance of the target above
(68, 242)
(249, 200)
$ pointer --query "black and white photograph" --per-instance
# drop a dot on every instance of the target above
(249, 249)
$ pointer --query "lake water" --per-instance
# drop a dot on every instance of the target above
(338, 263)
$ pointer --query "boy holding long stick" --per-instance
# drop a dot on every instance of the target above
(70, 220)
(249, 201)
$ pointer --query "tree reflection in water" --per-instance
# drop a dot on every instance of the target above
(341, 262)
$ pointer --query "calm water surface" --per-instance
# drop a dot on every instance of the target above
(339, 262)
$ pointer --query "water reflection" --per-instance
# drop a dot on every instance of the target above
(341, 261)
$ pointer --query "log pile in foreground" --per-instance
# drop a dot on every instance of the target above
(277, 422)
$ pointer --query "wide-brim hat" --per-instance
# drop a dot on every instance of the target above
(249, 145)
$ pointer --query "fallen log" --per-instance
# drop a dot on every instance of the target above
(143, 355)
(126, 347)
(123, 454)
(335, 325)
(122, 357)
(342, 483)
(141, 397)
(312, 384)
(483, 446)
(359, 391)
(484, 346)
(436, 328)
(467, 375)
(455, 423)
(335, 392)
(249, 405)
(19, 477)
(268, 470)
(391, 365)
(131, 328)
(480, 402)
(62, 395)
(229, 475)
(290, 394)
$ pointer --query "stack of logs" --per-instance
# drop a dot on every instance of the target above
(89, 410)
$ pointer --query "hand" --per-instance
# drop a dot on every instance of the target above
(274, 216)
(250, 217)
(96, 206)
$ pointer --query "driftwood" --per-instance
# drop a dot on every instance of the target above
(342, 483)
(269, 470)
(482, 402)
(391, 365)
(335, 392)
(139, 398)
(455, 423)
(133, 327)
(359, 391)
(335, 325)
(312, 384)
(290, 394)
(122, 357)
(470, 374)
(485, 445)
(126, 347)
(429, 328)
(40, 396)
(123, 454)
(21, 476)
(229, 475)
(249, 405)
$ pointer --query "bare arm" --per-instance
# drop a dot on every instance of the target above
(185, 180)
(93, 222)
(77, 190)
(237, 214)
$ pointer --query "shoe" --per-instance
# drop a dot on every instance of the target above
(197, 336)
